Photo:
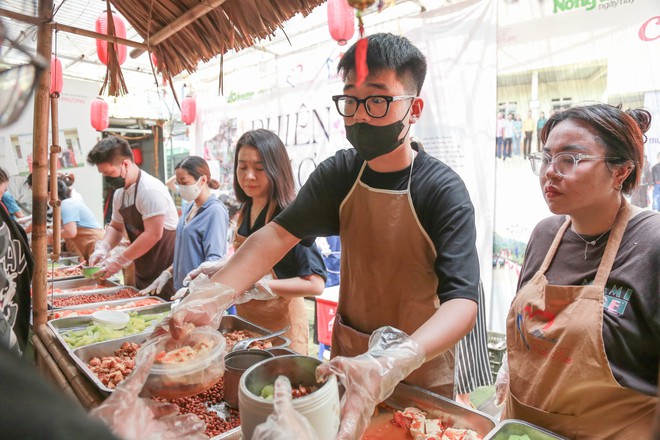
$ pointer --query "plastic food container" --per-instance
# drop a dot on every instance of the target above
(113, 319)
(173, 380)
(236, 363)
(320, 408)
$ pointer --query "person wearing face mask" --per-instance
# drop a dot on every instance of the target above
(143, 208)
(201, 234)
(409, 265)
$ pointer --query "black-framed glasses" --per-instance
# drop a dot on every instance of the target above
(377, 106)
(564, 164)
(17, 79)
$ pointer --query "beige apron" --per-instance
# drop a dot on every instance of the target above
(276, 313)
(560, 375)
(387, 277)
(150, 265)
(83, 243)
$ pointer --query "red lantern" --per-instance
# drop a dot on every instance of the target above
(55, 75)
(341, 21)
(99, 115)
(188, 110)
(102, 45)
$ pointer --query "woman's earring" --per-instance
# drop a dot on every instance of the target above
(619, 187)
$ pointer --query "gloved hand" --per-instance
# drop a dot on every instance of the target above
(157, 286)
(112, 265)
(259, 291)
(180, 293)
(285, 423)
(131, 417)
(101, 251)
(208, 268)
(370, 378)
(502, 382)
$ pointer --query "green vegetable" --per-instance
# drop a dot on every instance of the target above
(98, 333)
(267, 392)
(519, 437)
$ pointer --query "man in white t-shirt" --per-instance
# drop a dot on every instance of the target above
(143, 208)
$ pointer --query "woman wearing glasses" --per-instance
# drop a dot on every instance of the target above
(584, 329)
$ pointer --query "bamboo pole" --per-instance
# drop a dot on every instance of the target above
(39, 169)
(71, 29)
(184, 20)
(54, 196)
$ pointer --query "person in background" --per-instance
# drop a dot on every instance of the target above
(80, 230)
(517, 134)
(583, 330)
(499, 136)
(263, 183)
(11, 205)
(19, 188)
(508, 136)
(640, 195)
(528, 129)
(540, 123)
(655, 173)
(409, 265)
(143, 208)
(201, 234)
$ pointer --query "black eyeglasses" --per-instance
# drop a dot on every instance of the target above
(17, 80)
(377, 106)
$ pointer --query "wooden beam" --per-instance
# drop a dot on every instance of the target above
(71, 29)
(92, 34)
(184, 20)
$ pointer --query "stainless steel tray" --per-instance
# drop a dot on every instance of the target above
(66, 259)
(81, 282)
(511, 427)
(63, 324)
(113, 303)
(106, 293)
(230, 323)
(436, 406)
(81, 356)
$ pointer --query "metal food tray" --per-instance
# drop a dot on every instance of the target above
(109, 293)
(84, 354)
(66, 259)
(81, 282)
(434, 405)
(117, 302)
(510, 427)
(230, 323)
(69, 323)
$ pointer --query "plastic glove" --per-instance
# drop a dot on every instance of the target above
(285, 423)
(101, 251)
(180, 293)
(208, 268)
(502, 382)
(370, 378)
(260, 291)
(158, 284)
(131, 417)
(112, 265)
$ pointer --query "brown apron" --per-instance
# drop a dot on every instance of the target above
(83, 243)
(387, 278)
(279, 312)
(150, 265)
(560, 375)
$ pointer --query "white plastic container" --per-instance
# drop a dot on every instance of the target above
(320, 408)
(113, 319)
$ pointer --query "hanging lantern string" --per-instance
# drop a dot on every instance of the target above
(361, 67)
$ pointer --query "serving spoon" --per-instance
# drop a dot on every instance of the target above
(245, 343)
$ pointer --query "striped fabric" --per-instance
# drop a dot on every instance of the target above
(472, 365)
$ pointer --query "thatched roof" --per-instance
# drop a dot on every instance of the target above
(233, 24)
